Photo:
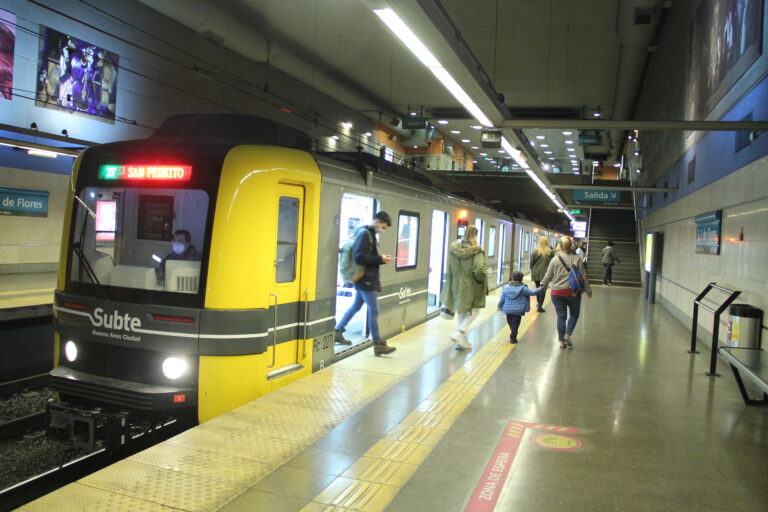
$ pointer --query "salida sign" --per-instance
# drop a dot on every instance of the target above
(600, 195)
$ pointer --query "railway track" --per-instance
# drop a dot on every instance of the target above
(14, 427)
(18, 385)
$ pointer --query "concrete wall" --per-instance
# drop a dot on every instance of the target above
(31, 244)
(711, 171)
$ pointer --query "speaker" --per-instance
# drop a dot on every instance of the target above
(490, 138)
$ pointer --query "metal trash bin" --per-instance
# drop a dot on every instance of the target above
(745, 325)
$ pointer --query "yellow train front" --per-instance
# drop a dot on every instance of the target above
(187, 268)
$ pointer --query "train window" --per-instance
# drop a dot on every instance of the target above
(480, 225)
(138, 239)
(491, 241)
(407, 240)
(287, 239)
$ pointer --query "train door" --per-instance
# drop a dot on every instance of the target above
(438, 254)
(502, 253)
(286, 288)
(356, 210)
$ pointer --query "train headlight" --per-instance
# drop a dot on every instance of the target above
(70, 350)
(174, 367)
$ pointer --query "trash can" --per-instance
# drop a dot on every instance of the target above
(744, 326)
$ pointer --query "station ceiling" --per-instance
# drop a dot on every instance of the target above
(532, 59)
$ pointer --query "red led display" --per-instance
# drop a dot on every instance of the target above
(146, 172)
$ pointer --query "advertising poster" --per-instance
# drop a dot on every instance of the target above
(7, 46)
(726, 38)
(76, 76)
(708, 233)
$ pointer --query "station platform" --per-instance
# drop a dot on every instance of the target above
(26, 295)
(626, 420)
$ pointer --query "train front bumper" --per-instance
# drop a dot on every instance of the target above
(131, 395)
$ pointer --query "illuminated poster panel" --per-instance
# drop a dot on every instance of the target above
(7, 46)
(726, 38)
(648, 251)
(76, 76)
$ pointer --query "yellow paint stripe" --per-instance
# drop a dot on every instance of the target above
(418, 433)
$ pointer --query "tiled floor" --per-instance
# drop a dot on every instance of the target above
(627, 420)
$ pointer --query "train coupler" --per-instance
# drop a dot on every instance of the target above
(84, 427)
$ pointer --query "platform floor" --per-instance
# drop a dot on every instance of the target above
(22, 290)
(626, 420)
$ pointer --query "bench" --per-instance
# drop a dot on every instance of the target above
(752, 365)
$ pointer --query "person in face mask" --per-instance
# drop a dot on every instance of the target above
(181, 249)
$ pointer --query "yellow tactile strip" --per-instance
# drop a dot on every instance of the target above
(372, 482)
(260, 436)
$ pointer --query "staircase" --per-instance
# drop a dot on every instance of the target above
(619, 226)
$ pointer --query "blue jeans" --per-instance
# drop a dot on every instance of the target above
(608, 273)
(370, 299)
(562, 305)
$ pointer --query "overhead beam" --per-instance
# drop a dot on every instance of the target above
(610, 187)
(603, 207)
(586, 124)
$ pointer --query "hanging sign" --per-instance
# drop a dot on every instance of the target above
(597, 195)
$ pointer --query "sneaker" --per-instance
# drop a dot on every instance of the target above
(605, 285)
(339, 338)
(381, 347)
(513, 341)
(568, 341)
(563, 344)
(540, 309)
(462, 343)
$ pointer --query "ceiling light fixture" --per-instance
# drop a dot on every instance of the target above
(414, 44)
(465, 141)
(347, 125)
(540, 137)
(569, 142)
(476, 126)
(455, 131)
(544, 145)
(567, 133)
(442, 121)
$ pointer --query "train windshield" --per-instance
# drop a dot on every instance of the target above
(142, 245)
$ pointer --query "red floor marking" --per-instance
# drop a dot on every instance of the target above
(488, 489)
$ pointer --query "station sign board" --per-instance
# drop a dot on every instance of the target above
(25, 203)
(597, 195)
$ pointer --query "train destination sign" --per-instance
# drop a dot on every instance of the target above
(146, 172)
(597, 195)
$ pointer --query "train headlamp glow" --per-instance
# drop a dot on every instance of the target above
(174, 367)
(70, 350)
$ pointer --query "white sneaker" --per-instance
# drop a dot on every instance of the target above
(462, 342)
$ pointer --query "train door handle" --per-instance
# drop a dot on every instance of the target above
(274, 332)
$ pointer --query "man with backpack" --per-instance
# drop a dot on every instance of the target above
(567, 277)
(365, 278)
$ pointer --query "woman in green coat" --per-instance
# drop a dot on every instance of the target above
(540, 259)
(466, 284)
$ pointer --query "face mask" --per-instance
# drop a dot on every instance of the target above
(177, 247)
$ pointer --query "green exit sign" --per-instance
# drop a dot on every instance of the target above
(576, 212)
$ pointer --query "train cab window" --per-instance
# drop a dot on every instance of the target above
(287, 239)
(407, 240)
(138, 239)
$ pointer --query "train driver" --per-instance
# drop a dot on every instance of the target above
(181, 249)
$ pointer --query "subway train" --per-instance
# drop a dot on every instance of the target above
(247, 299)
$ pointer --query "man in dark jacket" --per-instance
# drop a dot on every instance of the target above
(181, 249)
(366, 253)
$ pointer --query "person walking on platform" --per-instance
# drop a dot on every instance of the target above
(581, 252)
(609, 259)
(466, 285)
(514, 303)
(366, 253)
(540, 259)
(563, 298)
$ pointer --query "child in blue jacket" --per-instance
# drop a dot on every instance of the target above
(514, 302)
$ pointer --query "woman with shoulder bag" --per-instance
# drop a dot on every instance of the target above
(465, 286)
(563, 297)
(540, 259)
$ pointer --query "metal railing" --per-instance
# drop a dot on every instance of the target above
(715, 325)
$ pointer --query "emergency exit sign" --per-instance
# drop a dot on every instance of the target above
(576, 212)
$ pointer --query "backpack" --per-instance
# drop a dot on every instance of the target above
(575, 279)
(350, 270)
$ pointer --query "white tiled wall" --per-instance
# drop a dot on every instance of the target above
(741, 265)
(31, 240)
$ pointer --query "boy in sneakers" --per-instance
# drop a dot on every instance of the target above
(514, 302)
